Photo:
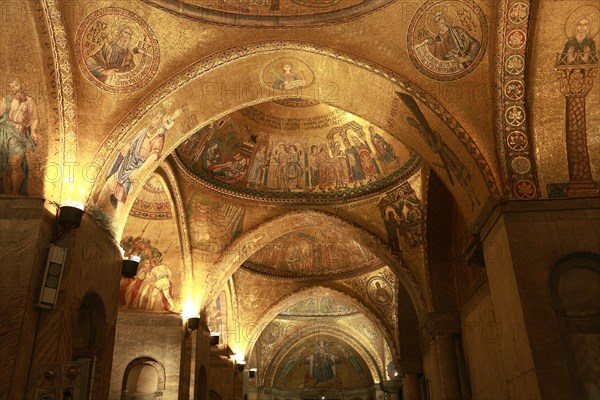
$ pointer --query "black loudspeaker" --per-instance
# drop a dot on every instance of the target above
(52, 276)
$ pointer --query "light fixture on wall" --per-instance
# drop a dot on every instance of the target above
(252, 373)
(130, 266)
(193, 323)
(241, 364)
(70, 214)
(214, 338)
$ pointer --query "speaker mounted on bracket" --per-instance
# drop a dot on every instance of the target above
(55, 264)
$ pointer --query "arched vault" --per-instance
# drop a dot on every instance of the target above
(232, 79)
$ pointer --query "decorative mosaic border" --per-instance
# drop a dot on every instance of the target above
(513, 137)
(67, 107)
(221, 58)
(182, 223)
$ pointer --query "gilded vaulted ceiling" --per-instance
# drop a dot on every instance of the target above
(270, 13)
(291, 156)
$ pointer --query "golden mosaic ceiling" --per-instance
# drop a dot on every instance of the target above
(270, 13)
(295, 151)
(318, 307)
(312, 254)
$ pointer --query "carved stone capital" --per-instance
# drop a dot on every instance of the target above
(440, 323)
(410, 366)
(576, 80)
(391, 386)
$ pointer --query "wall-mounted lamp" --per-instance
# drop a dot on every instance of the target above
(193, 323)
(69, 215)
(241, 364)
(252, 373)
(130, 266)
(214, 338)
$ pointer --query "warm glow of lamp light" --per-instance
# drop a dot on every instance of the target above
(238, 358)
(74, 204)
(190, 308)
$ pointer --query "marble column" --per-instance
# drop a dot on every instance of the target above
(448, 366)
(411, 388)
(411, 369)
(440, 330)
(392, 389)
(576, 72)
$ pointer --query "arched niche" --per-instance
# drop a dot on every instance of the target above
(201, 383)
(575, 290)
(143, 377)
(90, 338)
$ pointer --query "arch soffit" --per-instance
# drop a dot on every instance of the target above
(250, 242)
(166, 175)
(322, 329)
(300, 294)
(227, 74)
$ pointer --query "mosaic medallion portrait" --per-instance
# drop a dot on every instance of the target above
(447, 39)
(116, 50)
(287, 74)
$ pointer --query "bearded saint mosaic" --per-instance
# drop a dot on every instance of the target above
(447, 39)
(116, 50)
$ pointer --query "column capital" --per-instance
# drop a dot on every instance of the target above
(391, 386)
(410, 366)
(576, 80)
(440, 323)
